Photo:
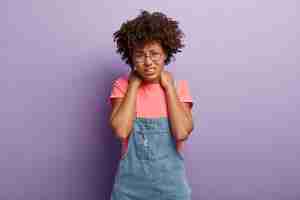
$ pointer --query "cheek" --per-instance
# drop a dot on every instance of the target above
(161, 66)
(139, 68)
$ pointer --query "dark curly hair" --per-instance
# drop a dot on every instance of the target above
(148, 27)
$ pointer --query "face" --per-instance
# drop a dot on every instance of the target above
(149, 61)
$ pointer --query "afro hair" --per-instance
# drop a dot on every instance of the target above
(148, 27)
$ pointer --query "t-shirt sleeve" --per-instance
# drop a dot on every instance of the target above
(119, 88)
(184, 92)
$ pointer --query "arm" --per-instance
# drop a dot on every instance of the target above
(179, 114)
(123, 111)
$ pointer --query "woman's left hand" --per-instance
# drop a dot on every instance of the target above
(166, 79)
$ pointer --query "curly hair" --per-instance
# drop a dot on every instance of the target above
(148, 27)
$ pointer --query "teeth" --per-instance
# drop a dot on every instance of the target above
(150, 70)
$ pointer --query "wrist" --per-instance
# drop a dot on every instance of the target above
(134, 84)
(169, 87)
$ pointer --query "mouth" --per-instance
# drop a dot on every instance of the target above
(150, 71)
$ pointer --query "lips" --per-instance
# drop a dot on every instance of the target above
(149, 71)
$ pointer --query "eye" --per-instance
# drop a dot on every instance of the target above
(139, 55)
(155, 53)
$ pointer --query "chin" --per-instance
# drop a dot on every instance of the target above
(150, 79)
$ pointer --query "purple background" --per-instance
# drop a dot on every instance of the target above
(57, 64)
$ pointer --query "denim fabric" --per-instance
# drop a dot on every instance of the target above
(151, 169)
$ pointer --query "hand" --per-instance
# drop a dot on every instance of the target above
(166, 79)
(134, 78)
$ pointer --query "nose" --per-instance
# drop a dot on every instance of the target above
(148, 60)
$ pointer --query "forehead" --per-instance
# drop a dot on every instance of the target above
(148, 46)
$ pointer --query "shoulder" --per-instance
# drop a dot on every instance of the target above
(183, 92)
(121, 81)
(182, 85)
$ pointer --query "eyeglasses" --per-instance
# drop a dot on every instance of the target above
(154, 56)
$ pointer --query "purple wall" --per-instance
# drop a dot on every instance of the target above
(57, 63)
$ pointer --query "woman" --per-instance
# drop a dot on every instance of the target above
(150, 115)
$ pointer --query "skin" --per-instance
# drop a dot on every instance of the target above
(123, 109)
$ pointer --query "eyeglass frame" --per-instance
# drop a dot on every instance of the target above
(144, 56)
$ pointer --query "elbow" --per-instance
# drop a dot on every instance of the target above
(182, 138)
(120, 129)
(121, 134)
(184, 134)
(191, 128)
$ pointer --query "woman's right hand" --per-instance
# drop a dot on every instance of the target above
(134, 78)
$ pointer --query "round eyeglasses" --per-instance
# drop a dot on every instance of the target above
(154, 56)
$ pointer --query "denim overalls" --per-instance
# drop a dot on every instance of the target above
(151, 169)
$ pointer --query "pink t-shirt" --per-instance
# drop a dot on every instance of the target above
(151, 100)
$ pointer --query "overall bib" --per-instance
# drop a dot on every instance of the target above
(151, 169)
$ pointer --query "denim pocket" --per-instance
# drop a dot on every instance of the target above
(141, 145)
(153, 144)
